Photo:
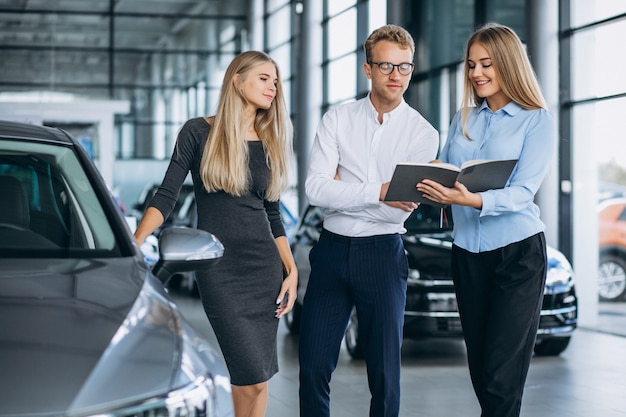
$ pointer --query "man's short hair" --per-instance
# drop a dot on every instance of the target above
(390, 33)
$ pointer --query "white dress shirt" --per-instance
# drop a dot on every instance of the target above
(351, 143)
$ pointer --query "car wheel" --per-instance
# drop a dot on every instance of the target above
(292, 319)
(611, 278)
(353, 345)
(551, 347)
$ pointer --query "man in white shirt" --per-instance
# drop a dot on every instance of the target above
(359, 259)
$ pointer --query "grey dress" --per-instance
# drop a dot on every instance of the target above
(239, 293)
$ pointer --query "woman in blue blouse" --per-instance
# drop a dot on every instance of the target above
(499, 253)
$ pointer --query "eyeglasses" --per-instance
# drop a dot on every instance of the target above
(387, 68)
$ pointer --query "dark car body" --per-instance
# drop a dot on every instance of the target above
(431, 308)
(86, 327)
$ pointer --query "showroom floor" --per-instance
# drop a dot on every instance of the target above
(587, 380)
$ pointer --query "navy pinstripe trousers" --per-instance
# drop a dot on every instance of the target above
(369, 273)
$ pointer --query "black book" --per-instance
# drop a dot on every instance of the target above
(476, 175)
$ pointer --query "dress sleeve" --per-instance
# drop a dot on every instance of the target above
(272, 208)
(187, 145)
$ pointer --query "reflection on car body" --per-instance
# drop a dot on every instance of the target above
(431, 308)
(87, 328)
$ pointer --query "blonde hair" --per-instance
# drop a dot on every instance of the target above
(511, 65)
(389, 33)
(225, 157)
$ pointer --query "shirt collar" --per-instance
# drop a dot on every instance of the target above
(512, 108)
(374, 113)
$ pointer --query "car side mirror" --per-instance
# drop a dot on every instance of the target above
(182, 249)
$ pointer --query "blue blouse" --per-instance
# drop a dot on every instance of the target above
(508, 215)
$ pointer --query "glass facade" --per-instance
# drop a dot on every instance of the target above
(585, 12)
(593, 53)
(340, 66)
(278, 41)
(593, 121)
(183, 78)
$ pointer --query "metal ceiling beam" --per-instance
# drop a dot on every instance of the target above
(106, 49)
(200, 16)
(36, 35)
(96, 86)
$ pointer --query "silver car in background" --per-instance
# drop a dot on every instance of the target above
(86, 327)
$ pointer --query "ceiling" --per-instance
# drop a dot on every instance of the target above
(95, 47)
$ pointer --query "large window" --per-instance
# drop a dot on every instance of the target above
(441, 29)
(174, 81)
(278, 41)
(340, 51)
(594, 53)
(594, 123)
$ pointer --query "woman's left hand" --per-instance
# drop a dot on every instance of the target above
(444, 195)
(288, 293)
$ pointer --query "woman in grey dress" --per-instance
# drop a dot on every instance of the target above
(238, 161)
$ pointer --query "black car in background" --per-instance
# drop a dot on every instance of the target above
(431, 308)
(86, 327)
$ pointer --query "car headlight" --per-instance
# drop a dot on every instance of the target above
(559, 269)
(200, 359)
(193, 400)
(413, 277)
(156, 365)
(207, 395)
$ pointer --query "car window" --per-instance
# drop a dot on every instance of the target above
(50, 208)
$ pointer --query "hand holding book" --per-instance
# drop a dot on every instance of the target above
(475, 175)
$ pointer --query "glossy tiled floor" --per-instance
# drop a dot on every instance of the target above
(587, 380)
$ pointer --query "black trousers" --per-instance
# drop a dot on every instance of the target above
(369, 273)
(499, 295)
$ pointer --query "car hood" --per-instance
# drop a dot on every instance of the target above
(80, 335)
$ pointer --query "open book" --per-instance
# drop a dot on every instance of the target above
(476, 175)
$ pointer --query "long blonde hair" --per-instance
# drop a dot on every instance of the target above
(511, 65)
(225, 157)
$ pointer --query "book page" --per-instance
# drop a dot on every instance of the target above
(442, 165)
(475, 162)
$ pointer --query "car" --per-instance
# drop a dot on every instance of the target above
(184, 214)
(612, 249)
(431, 307)
(609, 190)
(87, 326)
